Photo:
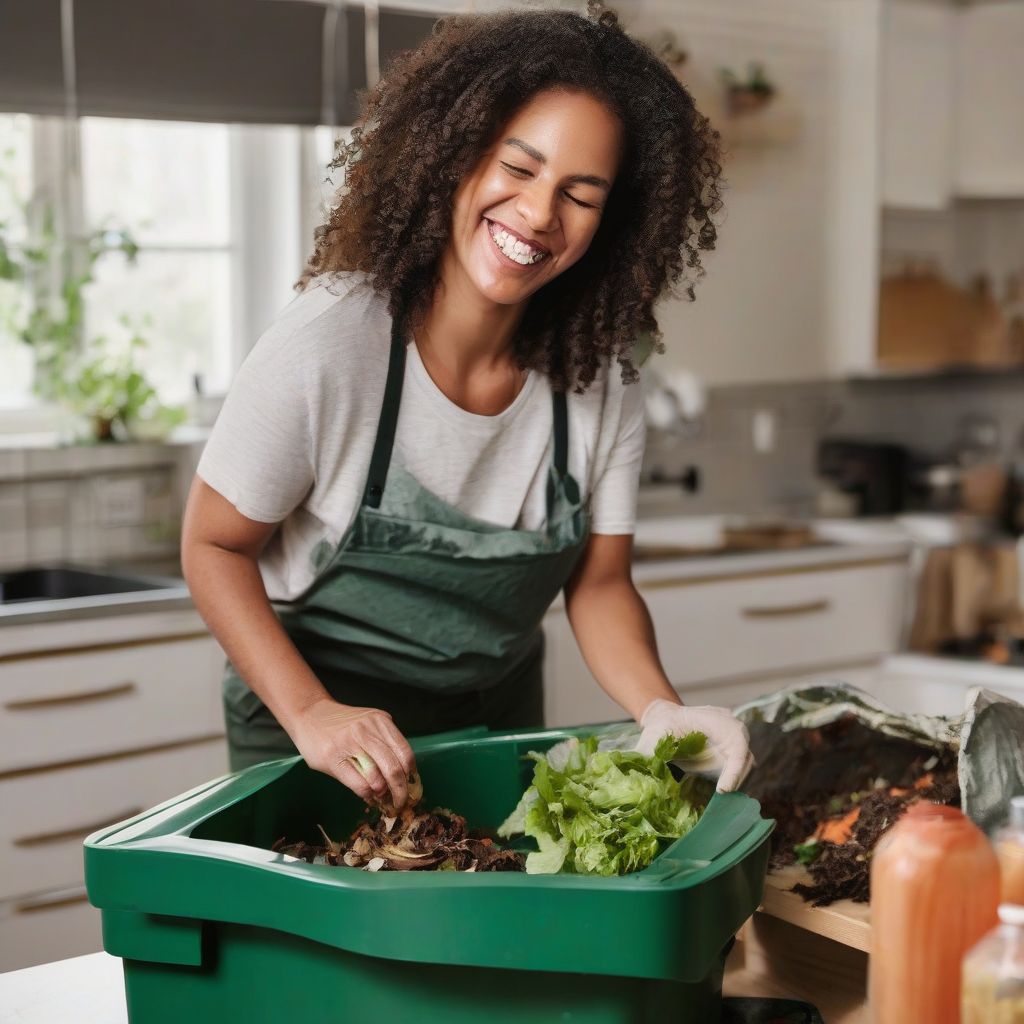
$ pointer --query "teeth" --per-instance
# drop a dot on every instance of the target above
(513, 248)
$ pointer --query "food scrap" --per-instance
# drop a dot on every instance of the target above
(607, 812)
(408, 840)
(834, 791)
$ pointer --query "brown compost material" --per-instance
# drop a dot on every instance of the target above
(408, 840)
(835, 791)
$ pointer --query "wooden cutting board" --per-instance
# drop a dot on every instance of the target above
(926, 322)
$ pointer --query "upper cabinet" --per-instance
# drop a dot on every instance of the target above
(952, 103)
(989, 78)
(792, 284)
(917, 97)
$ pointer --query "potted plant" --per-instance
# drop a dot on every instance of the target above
(746, 95)
(107, 387)
(46, 311)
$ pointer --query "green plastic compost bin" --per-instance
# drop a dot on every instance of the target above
(214, 927)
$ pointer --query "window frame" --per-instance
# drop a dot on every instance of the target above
(273, 180)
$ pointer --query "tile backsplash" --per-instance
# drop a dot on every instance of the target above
(924, 414)
(98, 505)
(121, 504)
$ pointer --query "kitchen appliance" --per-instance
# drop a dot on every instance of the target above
(874, 472)
(214, 925)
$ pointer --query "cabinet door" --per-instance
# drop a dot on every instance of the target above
(917, 106)
(990, 100)
(48, 814)
(115, 697)
(572, 695)
(46, 927)
(728, 640)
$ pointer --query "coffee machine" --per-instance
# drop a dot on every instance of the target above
(876, 473)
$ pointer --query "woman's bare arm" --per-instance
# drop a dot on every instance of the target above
(219, 552)
(613, 626)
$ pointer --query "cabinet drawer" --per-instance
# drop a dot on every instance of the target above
(84, 703)
(724, 641)
(50, 926)
(760, 625)
(48, 814)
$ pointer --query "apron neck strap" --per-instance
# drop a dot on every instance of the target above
(561, 432)
(381, 458)
(386, 425)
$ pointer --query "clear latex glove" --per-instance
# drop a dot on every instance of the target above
(727, 757)
(360, 747)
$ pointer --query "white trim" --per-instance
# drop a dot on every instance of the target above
(267, 211)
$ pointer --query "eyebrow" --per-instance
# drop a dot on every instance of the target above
(576, 179)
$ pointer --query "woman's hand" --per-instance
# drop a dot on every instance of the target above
(728, 751)
(360, 747)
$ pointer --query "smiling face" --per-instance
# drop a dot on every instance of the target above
(530, 208)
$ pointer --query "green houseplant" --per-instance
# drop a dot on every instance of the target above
(43, 306)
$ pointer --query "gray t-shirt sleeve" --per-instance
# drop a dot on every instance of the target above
(260, 452)
(613, 500)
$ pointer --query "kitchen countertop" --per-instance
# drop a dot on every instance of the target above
(164, 600)
(772, 561)
(682, 531)
(85, 989)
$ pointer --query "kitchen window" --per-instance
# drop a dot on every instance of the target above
(15, 181)
(169, 184)
(223, 216)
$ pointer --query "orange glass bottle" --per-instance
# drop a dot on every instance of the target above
(934, 894)
(1010, 851)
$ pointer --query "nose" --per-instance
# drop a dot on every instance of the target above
(537, 205)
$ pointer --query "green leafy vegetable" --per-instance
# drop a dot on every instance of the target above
(807, 853)
(608, 812)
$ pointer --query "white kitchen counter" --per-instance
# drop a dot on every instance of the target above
(85, 989)
(698, 531)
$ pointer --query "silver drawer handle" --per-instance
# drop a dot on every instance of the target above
(118, 690)
(77, 832)
(787, 610)
(55, 902)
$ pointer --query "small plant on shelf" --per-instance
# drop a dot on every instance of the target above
(746, 95)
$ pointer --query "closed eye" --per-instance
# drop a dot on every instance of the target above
(522, 172)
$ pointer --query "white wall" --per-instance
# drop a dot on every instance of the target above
(777, 303)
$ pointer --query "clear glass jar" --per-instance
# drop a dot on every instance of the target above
(1010, 851)
(993, 973)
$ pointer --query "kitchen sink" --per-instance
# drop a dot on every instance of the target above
(61, 583)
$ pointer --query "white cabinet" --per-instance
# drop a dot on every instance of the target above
(952, 103)
(917, 101)
(791, 289)
(990, 100)
(92, 702)
(100, 719)
(723, 640)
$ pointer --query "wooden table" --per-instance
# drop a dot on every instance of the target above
(790, 949)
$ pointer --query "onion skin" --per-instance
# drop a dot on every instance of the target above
(934, 894)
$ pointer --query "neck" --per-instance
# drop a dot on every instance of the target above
(465, 331)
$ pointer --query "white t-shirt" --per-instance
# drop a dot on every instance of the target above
(294, 438)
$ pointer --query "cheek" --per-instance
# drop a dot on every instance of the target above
(579, 236)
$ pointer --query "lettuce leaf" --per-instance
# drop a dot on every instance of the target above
(607, 812)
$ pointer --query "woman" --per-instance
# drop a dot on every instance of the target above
(430, 442)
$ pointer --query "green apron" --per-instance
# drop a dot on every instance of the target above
(422, 610)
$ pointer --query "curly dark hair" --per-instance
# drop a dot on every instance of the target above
(437, 110)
